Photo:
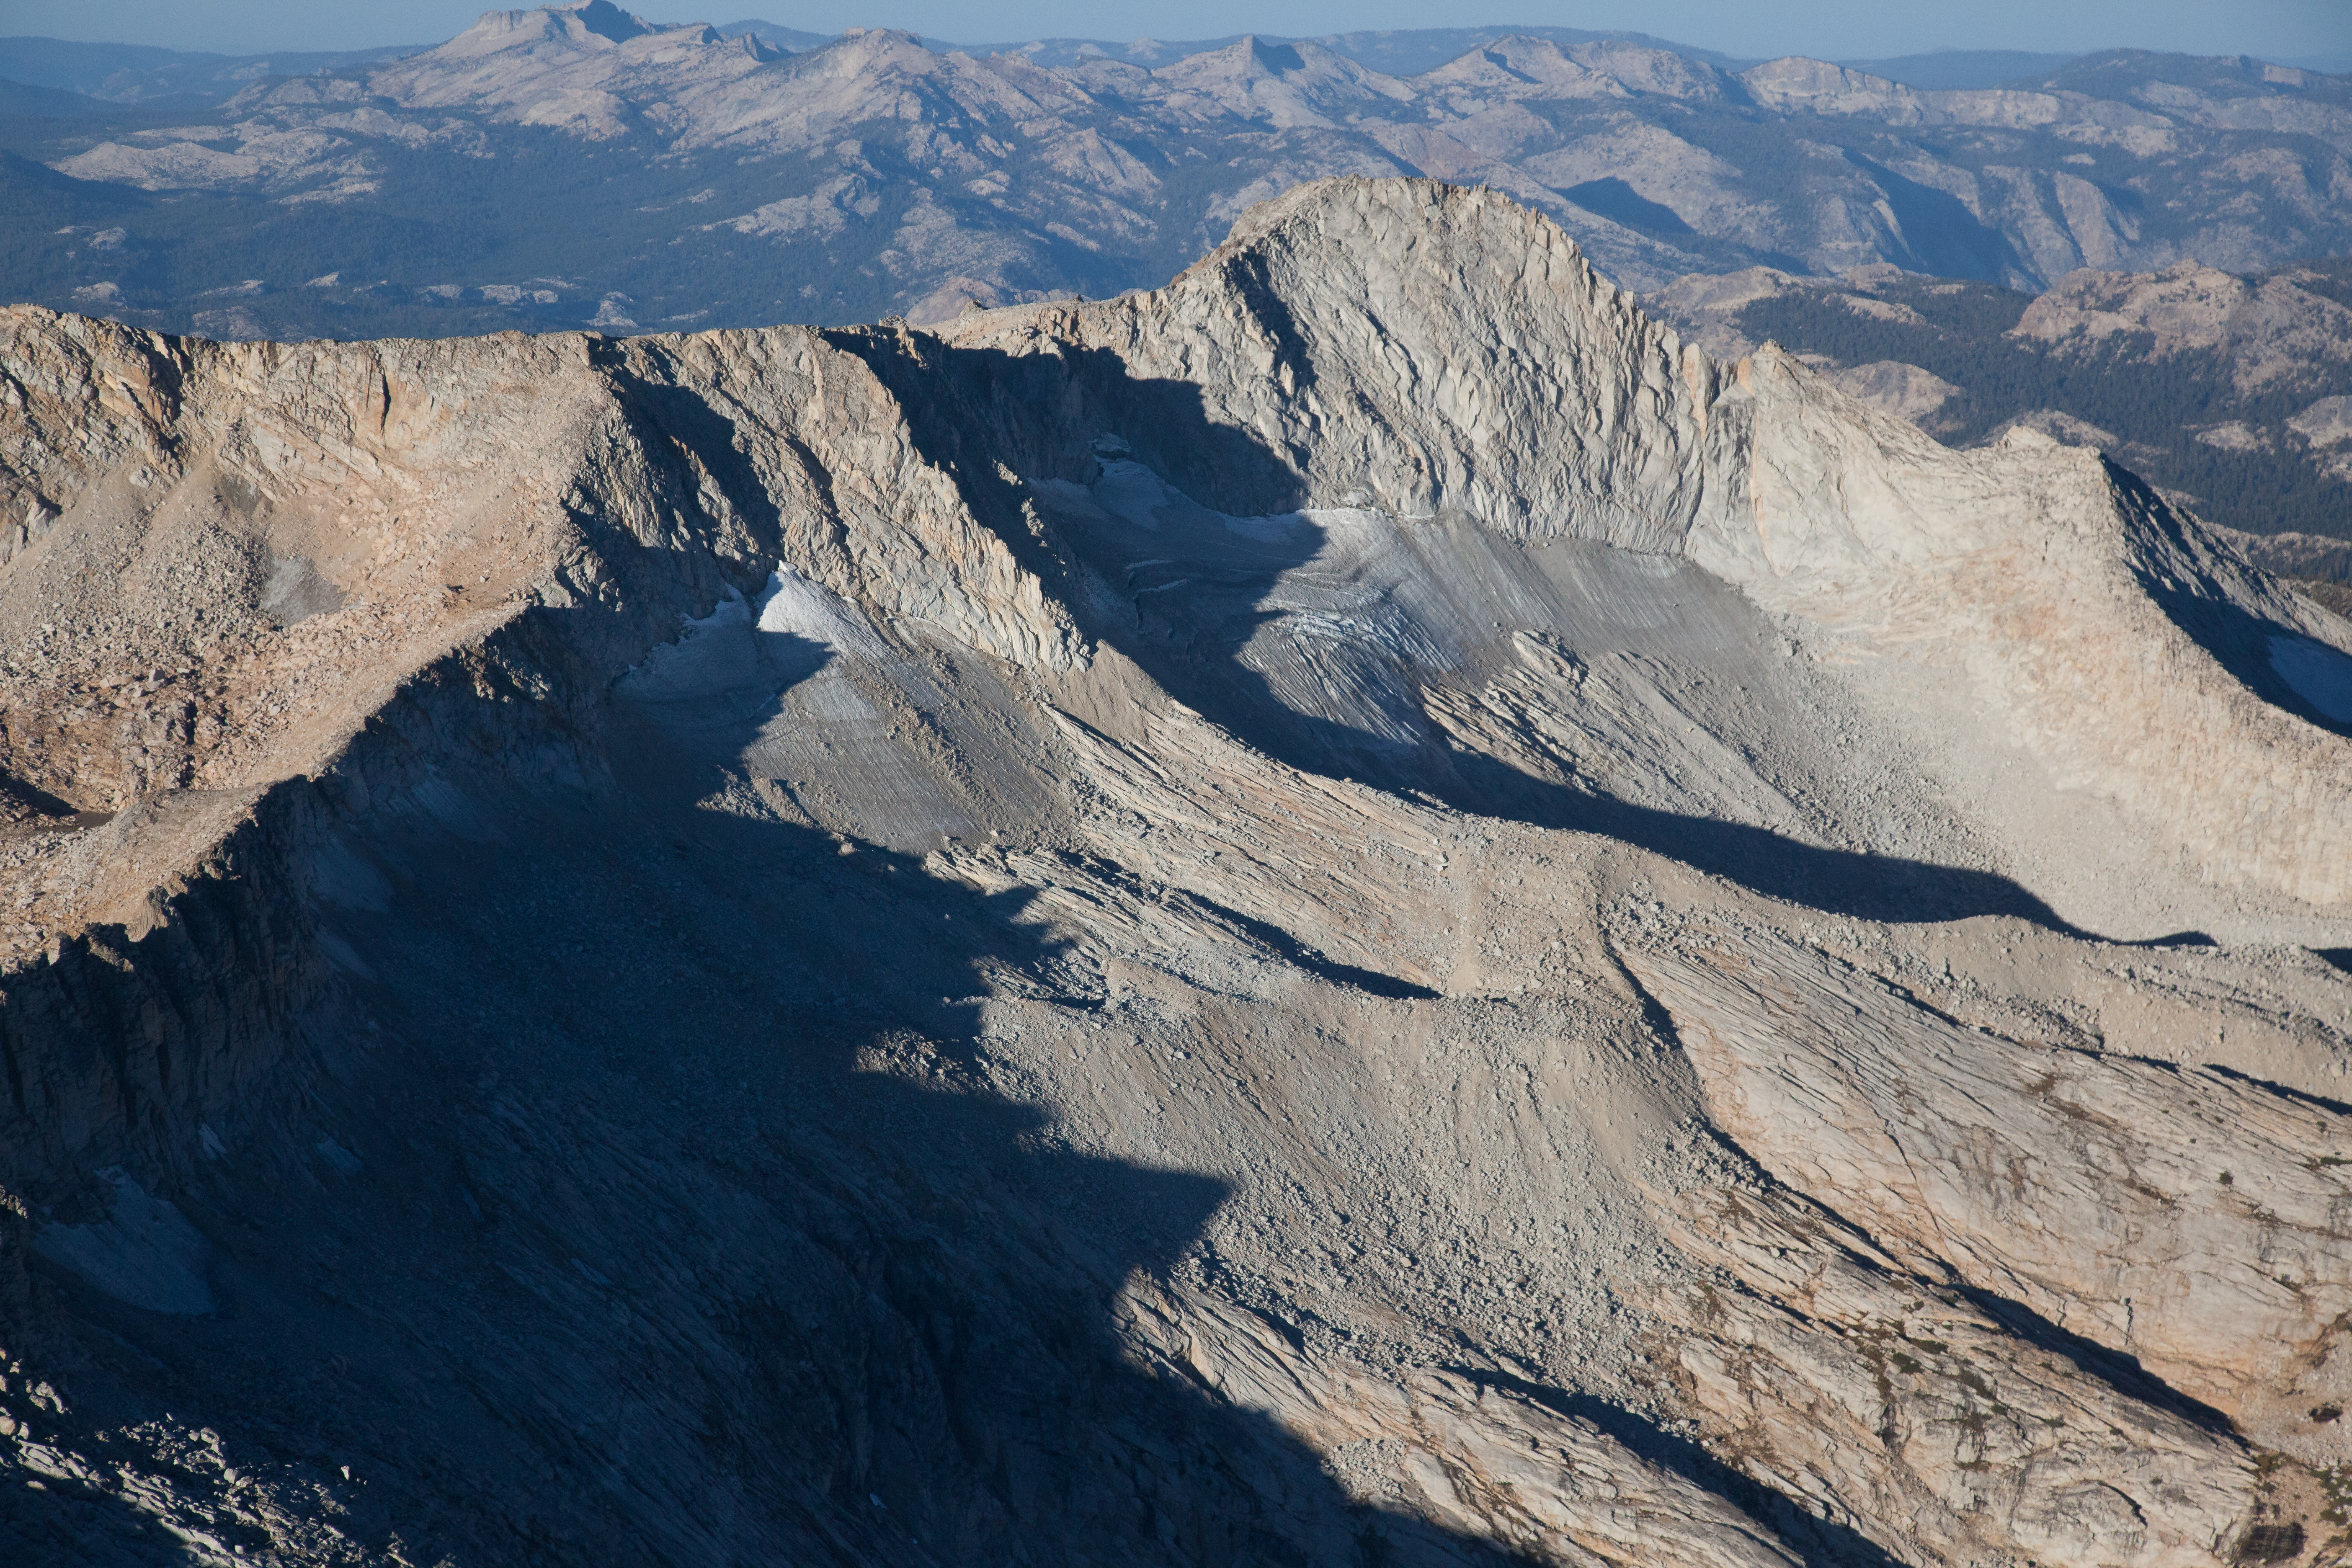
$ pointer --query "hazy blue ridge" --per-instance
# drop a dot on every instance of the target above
(47, 102)
(128, 73)
(1961, 69)
(784, 37)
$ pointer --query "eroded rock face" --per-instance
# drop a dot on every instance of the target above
(1522, 389)
(1357, 908)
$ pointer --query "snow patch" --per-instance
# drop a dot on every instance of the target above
(795, 606)
(712, 657)
(731, 665)
(143, 1252)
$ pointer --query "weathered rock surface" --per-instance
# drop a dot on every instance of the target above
(1358, 910)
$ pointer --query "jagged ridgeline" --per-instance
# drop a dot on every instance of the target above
(1359, 910)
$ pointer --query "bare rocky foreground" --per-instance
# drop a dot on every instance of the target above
(1359, 910)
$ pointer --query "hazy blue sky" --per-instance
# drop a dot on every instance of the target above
(1833, 28)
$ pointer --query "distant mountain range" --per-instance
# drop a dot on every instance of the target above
(126, 73)
(581, 166)
(133, 72)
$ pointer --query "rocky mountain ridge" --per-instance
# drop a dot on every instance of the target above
(1363, 907)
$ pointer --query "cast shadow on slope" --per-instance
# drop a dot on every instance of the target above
(686, 1210)
(1855, 883)
(2258, 653)
(1040, 415)
(996, 1248)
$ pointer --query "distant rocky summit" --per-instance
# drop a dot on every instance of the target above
(579, 166)
(1364, 908)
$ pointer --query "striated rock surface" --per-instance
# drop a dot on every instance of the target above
(2086, 1185)
(1358, 910)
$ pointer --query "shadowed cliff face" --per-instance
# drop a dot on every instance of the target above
(1355, 911)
